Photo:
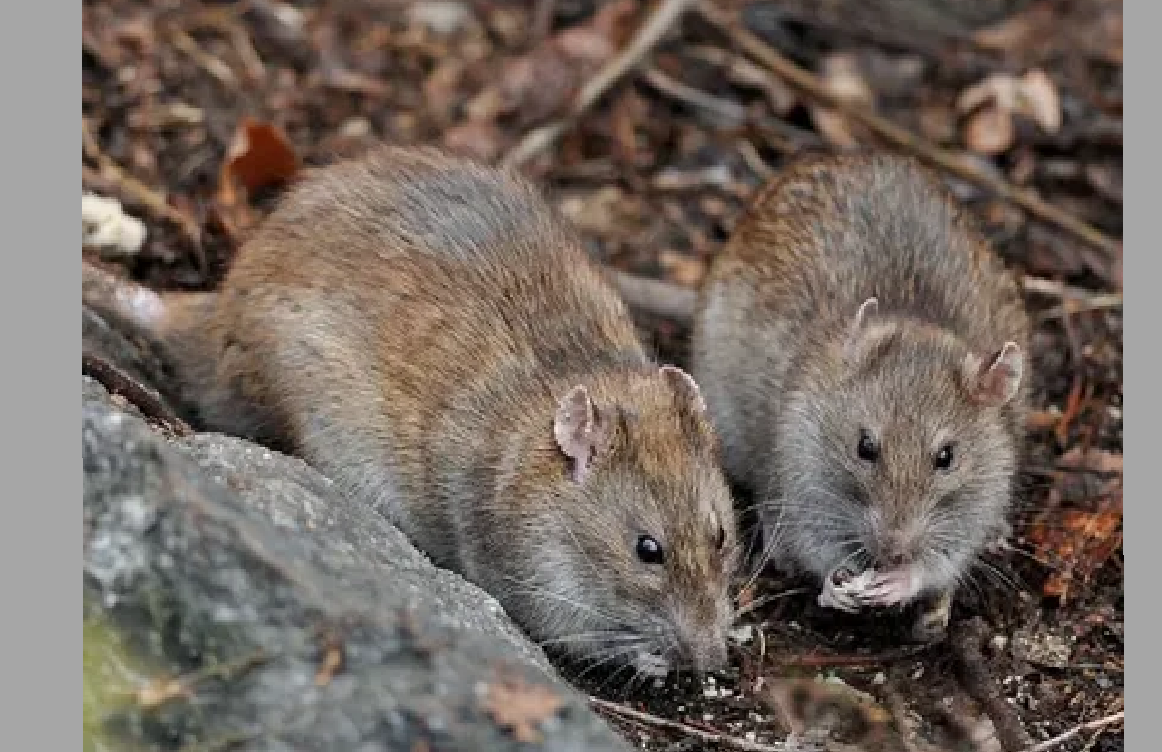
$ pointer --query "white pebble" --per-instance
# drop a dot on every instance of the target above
(105, 225)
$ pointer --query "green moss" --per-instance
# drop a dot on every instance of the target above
(110, 674)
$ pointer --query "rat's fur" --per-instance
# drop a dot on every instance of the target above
(791, 374)
(419, 327)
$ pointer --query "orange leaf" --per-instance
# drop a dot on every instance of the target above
(520, 707)
(259, 156)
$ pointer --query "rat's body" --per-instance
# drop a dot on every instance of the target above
(429, 334)
(881, 433)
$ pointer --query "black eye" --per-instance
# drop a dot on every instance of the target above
(721, 538)
(868, 449)
(649, 550)
(943, 459)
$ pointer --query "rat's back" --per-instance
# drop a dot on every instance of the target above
(833, 231)
(387, 293)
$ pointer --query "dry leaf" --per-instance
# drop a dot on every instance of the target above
(159, 692)
(995, 100)
(479, 140)
(1083, 542)
(521, 707)
(683, 269)
(1097, 460)
(989, 131)
(259, 156)
(843, 79)
(332, 662)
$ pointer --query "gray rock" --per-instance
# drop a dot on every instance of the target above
(228, 562)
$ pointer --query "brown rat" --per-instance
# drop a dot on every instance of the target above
(861, 352)
(428, 333)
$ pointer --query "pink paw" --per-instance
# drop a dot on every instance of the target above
(890, 589)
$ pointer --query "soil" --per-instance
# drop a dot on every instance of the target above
(654, 174)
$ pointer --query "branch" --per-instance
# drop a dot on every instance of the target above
(647, 37)
(655, 297)
(1097, 725)
(974, 676)
(706, 737)
(809, 84)
(145, 399)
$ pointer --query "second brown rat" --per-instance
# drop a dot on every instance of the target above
(862, 354)
(428, 333)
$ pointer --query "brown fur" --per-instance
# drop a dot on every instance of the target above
(789, 386)
(408, 323)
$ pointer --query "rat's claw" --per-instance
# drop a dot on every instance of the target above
(890, 588)
(839, 598)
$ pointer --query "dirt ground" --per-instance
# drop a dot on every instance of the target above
(196, 113)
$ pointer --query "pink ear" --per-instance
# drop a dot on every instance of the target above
(685, 386)
(868, 310)
(577, 431)
(997, 380)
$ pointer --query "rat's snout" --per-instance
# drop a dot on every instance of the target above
(706, 653)
(898, 548)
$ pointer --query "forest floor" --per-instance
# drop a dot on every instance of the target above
(196, 113)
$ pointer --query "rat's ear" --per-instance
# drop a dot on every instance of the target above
(996, 380)
(685, 386)
(578, 431)
(868, 310)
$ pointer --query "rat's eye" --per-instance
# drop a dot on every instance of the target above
(943, 458)
(868, 450)
(649, 550)
(721, 541)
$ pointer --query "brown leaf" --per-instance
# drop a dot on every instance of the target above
(479, 140)
(842, 76)
(520, 707)
(990, 131)
(1097, 460)
(159, 692)
(332, 663)
(1033, 96)
(683, 269)
(259, 156)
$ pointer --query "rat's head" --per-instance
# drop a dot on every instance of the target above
(643, 544)
(895, 453)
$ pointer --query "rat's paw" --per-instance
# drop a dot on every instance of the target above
(846, 591)
(890, 589)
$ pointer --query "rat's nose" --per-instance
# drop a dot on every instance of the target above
(707, 653)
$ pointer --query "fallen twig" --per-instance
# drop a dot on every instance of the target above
(980, 685)
(706, 737)
(145, 399)
(1096, 725)
(1073, 299)
(675, 89)
(643, 42)
(817, 660)
(655, 297)
(811, 85)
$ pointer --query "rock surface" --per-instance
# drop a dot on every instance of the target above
(295, 620)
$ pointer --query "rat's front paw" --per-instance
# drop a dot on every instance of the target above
(890, 589)
(845, 590)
